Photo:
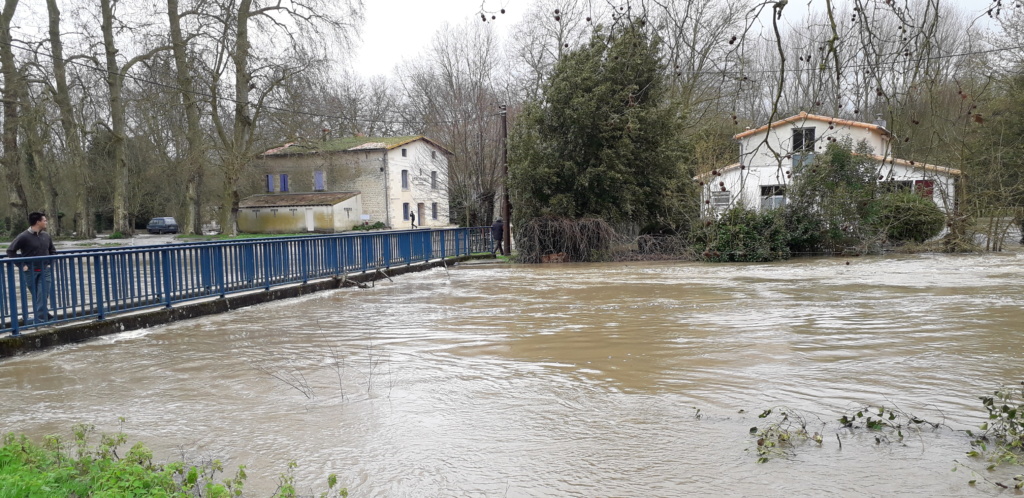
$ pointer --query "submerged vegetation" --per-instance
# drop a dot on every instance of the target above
(999, 442)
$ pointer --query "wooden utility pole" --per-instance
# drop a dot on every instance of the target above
(506, 207)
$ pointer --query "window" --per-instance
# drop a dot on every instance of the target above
(720, 200)
(403, 153)
(773, 196)
(270, 183)
(405, 179)
(802, 160)
(433, 210)
(433, 154)
(318, 180)
(284, 182)
(433, 180)
(405, 211)
(803, 140)
(898, 186)
(924, 188)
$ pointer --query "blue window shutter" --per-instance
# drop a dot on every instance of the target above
(270, 183)
(318, 180)
(284, 182)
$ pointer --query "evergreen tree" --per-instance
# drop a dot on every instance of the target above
(605, 141)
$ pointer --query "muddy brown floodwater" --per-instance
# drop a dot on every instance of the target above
(566, 380)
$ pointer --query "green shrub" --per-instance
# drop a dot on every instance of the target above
(81, 468)
(906, 217)
(744, 235)
(116, 235)
(376, 226)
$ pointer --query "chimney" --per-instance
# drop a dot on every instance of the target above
(879, 121)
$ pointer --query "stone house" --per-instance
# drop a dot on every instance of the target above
(390, 180)
(771, 156)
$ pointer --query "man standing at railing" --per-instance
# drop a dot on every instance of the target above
(37, 274)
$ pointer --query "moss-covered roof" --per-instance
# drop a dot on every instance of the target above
(343, 144)
(300, 199)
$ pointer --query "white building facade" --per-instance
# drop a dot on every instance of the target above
(771, 157)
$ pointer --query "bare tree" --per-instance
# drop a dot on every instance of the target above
(115, 86)
(237, 134)
(10, 162)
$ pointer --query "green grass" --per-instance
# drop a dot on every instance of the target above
(79, 467)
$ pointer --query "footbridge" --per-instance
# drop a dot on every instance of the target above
(92, 286)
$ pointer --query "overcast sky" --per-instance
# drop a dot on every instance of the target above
(397, 29)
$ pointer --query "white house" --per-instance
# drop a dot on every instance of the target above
(389, 180)
(771, 157)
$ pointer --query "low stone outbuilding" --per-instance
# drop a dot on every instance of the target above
(324, 212)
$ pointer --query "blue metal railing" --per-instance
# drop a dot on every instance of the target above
(95, 283)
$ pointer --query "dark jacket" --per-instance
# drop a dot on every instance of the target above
(497, 230)
(32, 244)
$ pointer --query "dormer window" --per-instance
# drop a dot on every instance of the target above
(803, 140)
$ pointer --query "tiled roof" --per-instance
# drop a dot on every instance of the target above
(814, 117)
(303, 199)
(915, 164)
(348, 144)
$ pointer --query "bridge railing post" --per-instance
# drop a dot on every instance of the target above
(99, 295)
(12, 295)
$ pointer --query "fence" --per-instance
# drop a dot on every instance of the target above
(95, 283)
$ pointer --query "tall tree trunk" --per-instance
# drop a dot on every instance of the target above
(72, 131)
(195, 154)
(114, 85)
(43, 170)
(241, 134)
(10, 163)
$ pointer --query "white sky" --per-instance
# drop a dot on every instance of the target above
(401, 29)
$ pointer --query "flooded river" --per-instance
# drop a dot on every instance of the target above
(638, 379)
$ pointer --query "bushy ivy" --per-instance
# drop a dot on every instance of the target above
(744, 235)
(907, 217)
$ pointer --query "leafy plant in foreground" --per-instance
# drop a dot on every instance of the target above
(1002, 437)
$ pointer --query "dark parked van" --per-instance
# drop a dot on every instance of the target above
(164, 224)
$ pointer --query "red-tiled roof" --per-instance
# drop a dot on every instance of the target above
(814, 117)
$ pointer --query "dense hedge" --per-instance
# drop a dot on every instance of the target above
(907, 217)
(745, 235)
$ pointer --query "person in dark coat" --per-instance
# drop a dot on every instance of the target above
(37, 274)
(412, 218)
(497, 233)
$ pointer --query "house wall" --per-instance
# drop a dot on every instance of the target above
(944, 187)
(285, 219)
(744, 185)
(347, 214)
(755, 150)
(420, 160)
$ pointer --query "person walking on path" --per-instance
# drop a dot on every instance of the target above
(412, 218)
(36, 274)
(497, 232)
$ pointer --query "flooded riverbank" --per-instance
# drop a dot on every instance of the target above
(574, 380)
